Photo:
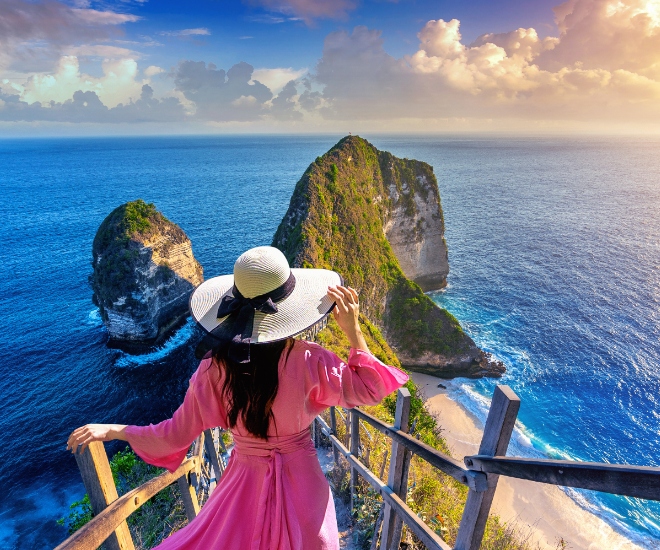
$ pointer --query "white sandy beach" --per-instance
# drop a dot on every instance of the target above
(545, 510)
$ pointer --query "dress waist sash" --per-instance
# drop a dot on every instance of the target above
(276, 527)
(286, 444)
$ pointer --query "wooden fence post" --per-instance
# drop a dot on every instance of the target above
(497, 433)
(188, 483)
(355, 451)
(189, 497)
(395, 479)
(333, 427)
(212, 452)
(97, 477)
(198, 450)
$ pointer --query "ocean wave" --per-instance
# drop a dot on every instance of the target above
(180, 337)
(94, 318)
(525, 443)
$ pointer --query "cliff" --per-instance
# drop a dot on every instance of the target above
(377, 220)
(144, 273)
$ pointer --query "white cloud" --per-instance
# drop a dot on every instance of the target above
(277, 78)
(117, 85)
(153, 70)
(604, 65)
(102, 50)
(201, 31)
(96, 17)
(245, 101)
(33, 35)
(309, 10)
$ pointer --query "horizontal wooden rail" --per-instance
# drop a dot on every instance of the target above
(450, 466)
(621, 479)
(92, 534)
(415, 524)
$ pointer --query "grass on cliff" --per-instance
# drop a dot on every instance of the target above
(154, 521)
(336, 221)
(435, 497)
(114, 253)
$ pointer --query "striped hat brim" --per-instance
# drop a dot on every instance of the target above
(302, 309)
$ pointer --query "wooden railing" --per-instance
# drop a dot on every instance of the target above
(198, 474)
(479, 473)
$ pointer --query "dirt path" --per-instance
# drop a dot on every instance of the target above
(344, 520)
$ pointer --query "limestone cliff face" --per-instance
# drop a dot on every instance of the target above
(413, 224)
(377, 220)
(144, 273)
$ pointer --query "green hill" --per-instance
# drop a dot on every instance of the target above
(343, 209)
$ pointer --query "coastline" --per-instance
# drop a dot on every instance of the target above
(543, 511)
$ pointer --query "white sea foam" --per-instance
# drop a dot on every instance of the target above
(94, 318)
(525, 443)
(180, 337)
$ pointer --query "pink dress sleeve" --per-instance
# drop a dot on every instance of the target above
(165, 444)
(364, 380)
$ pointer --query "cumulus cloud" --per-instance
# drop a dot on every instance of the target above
(308, 10)
(34, 34)
(284, 105)
(153, 70)
(607, 34)
(87, 107)
(605, 64)
(118, 84)
(222, 96)
(276, 79)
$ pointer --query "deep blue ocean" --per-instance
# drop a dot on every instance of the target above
(554, 249)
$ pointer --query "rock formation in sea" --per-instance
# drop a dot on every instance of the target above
(377, 220)
(144, 273)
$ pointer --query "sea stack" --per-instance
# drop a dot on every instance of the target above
(377, 220)
(144, 273)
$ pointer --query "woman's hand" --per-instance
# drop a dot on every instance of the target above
(346, 313)
(94, 432)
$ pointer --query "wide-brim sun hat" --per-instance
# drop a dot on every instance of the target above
(263, 301)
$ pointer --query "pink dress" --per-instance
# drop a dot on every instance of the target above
(273, 494)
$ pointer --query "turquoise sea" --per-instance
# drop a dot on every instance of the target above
(554, 248)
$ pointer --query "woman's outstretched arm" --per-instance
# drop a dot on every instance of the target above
(94, 432)
(363, 379)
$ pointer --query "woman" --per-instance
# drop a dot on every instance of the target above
(267, 388)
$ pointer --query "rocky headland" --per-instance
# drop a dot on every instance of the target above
(144, 273)
(377, 219)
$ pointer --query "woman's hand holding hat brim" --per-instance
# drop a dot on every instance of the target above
(347, 312)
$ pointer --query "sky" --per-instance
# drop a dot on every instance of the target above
(78, 67)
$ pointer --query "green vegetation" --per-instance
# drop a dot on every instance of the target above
(336, 221)
(154, 521)
(420, 324)
(436, 498)
(116, 247)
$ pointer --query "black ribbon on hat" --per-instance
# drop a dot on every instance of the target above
(241, 310)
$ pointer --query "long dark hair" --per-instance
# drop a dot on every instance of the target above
(249, 389)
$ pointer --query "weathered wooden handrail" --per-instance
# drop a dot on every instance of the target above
(101, 526)
(620, 479)
(488, 465)
(416, 525)
(435, 458)
(481, 477)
